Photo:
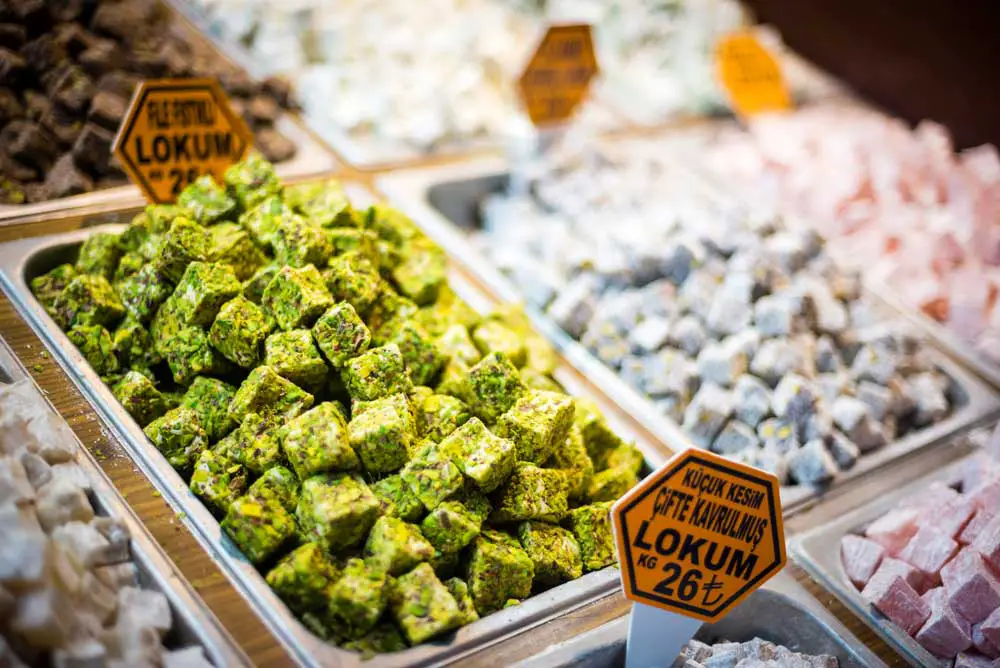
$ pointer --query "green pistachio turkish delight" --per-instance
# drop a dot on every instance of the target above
(553, 551)
(259, 526)
(261, 221)
(422, 606)
(295, 357)
(277, 482)
(538, 381)
(571, 455)
(48, 286)
(597, 434)
(132, 344)
(493, 386)
(189, 355)
(492, 336)
(324, 203)
(298, 243)
(611, 484)
(336, 510)
(252, 180)
(382, 639)
(253, 287)
(99, 255)
(352, 240)
(432, 476)
(185, 242)
(438, 415)
(532, 493)
(257, 444)
(87, 300)
(397, 500)
(301, 578)
(626, 456)
(423, 359)
(239, 330)
(217, 480)
(160, 216)
(591, 526)
(486, 459)
(421, 273)
(207, 201)
(129, 265)
(296, 297)
(456, 343)
(392, 225)
(202, 290)
(498, 569)
(143, 292)
(537, 422)
(140, 397)
(179, 436)
(460, 592)
(266, 392)
(445, 564)
(382, 433)
(210, 399)
(451, 526)
(341, 334)
(231, 245)
(96, 346)
(396, 546)
(352, 278)
(317, 442)
(387, 315)
(356, 600)
(377, 373)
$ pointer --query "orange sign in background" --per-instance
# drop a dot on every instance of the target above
(699, 535)
(557, 77)
(750, 75)
(177, 130)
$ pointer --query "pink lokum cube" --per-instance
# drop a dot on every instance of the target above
(975, 526)
(988, 542)
(894, 529)
(936, 494)
(973, 589)
(894, 598)
(860, 558)
(945, 633)
(991, 628)
(913, 577)
(982, 643)
(951, 516)
(982, 467)
(928, 551)
(973, 660)
(987, 495)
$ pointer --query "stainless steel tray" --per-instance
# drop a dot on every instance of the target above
(312, 158)
(193, 623)
(21, 260)
(444, 202)
(781, 611)
(818, 552)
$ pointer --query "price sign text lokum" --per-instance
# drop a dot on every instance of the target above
(750, 75)
(699, 535)
(177, 130)
(557, 77)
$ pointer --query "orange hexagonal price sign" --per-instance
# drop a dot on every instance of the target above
(557, 77)
(699, 535)
(177, 130)
(750, 75)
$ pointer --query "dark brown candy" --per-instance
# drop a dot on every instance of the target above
(13, 36)
(264, 110)
(65, 128)
(43, 54)
(281, 89)
(237, 82)
(30, 144)
(92, 149)
(64, 179)
(127, 21)
(16, 170)
(12, 68)
(101, 57)
(119, 83)
(10, 106)
(28, 11)
(107, 109)
(72, 89)
(65, 10)
(275, 146)
(36, 106)
(73, 39)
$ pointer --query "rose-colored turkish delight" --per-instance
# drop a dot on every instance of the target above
(945, 633)
(860, 557)
(936, 495)
(894, 529)
(987, 495)
(973, 660)
(929, 550)
(973, 589)
(983, 644)
(951, 516)
(898, 601)
(988, 542)
(975, 526)
(991, 628)
(914, 577)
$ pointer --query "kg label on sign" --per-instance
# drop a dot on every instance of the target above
(176, 131)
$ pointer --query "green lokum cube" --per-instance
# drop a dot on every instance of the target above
(488, 460)
(460, 592)
(262, 220)
(266, 392)
(537, 422)
(539, 381)
(445, 564)
(257, 444)
(129, 265)
(137, 232)
(493, 387)
(227, 445)
(202, 290)
(422, 358)
(238, 331)
(143, 292)
(382, 639)
(397, 500)
(591, 525)
(597, 434)
(165, 326)
(207, 201)
(432, 476)
(453, 381)
(99, 255)
(611, 484)
(295, 357)
(422, 272)
(383, 434)
(572, 456)
(296, 297)
(392, 225)
(298, 243)
(316, 442)
(277, 482)
(456, 343)
(179, 436)
(231, 245)
(260, 527)
(451, 526)
(492, 336)
(438, 415)
(341, 334)
(302, 576)
(511, 603)
(457, 311)
(350, 239)
(498, 569)
(96, 346)
(553, 551)
(217, 480)
(625, 456)
(377, 373)
(140, 397)
(352, 278)
(133, 345)
(532, 493)
(356, 600)
(48, 286)
(541, 356)
(422, 606)
(253, 287)
(160, 216)
(388, 313)
(396, 546)
(252, 180)
(324, 203)
(189, 355)
(87, 300)
(336, 510)
(185, 242)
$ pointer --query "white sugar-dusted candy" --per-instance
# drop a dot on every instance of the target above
(117, 535)
(73, 473)
(99, 599)
(144, 608)
(50, 437)
(44, 617)
(85, 544)
(14, 484)
(117, 576)
(191, 657)
(81, 653)
(37, 469)
(60, 501)
(22, 557)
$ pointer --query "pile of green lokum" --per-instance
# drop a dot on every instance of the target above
(395, 464)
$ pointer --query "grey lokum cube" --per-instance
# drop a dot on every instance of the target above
(697, 293)
(827, 356)
(688, 334)
(774, 359)
(729, 312)
(752, 400)
(734, 437)
(778, 435)
(721, 364)
(773, 462)
(843, 451)
(878, 398)
(773, 315)
(927, 393)
(793, 399)
(670, 374)
(575, 305)
(852, 417)
(874, 362)
(707, 414)
(650, 335)
(812, 464)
